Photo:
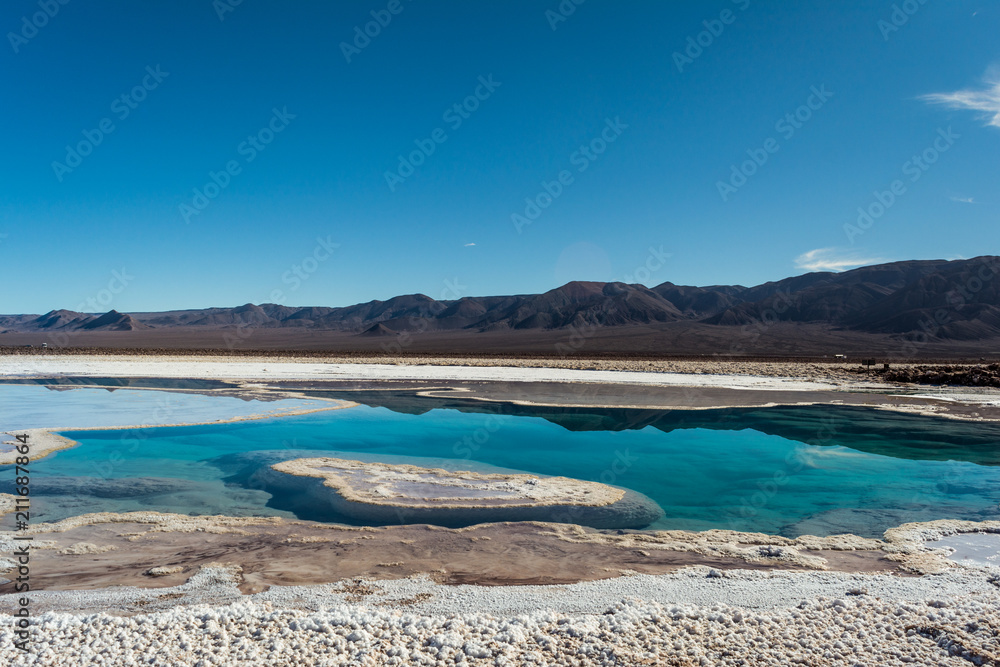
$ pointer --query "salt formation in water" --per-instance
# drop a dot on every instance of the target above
(398, 493)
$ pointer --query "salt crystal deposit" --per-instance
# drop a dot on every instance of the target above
(855, 629)
(399, 493)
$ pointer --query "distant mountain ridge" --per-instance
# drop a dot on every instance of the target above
(947, 300)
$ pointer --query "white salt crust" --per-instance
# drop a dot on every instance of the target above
(851, 631)
(785, 618)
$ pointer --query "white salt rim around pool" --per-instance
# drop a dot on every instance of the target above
(43, 366)
(696, 585)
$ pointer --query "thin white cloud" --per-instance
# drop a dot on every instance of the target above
(469, 245)
(986, 100)
(964, 200)
(833, 259)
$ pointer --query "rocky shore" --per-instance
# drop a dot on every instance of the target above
(945, 375)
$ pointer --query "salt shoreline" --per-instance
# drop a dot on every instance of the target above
(761, 384)
(280, 369)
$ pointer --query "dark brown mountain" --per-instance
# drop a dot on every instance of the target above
(61, 319)
(113, 321)
(698, 302)
(935, 299)
(378, 330)
(895, 298)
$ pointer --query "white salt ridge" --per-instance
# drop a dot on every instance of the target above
(694, 616)
(44, 366)
(860, 629)
(984, 397)
(698, 585)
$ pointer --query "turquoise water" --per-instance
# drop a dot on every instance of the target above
(815, 470)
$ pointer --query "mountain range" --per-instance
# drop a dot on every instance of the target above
(936, 300)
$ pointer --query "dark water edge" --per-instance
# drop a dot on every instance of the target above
(123, 383)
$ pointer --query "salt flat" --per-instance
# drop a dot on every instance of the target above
(864, 625)
(275, 369)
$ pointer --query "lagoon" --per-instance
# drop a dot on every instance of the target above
(793, 470)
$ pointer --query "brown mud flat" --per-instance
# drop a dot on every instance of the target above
(275, 552)
(662, 340)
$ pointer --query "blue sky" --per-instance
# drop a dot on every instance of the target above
(593, 145)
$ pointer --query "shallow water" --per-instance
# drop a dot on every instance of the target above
(782, 470)
(32, 406)
(980, 549)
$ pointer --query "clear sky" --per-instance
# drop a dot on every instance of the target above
(621, 122)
